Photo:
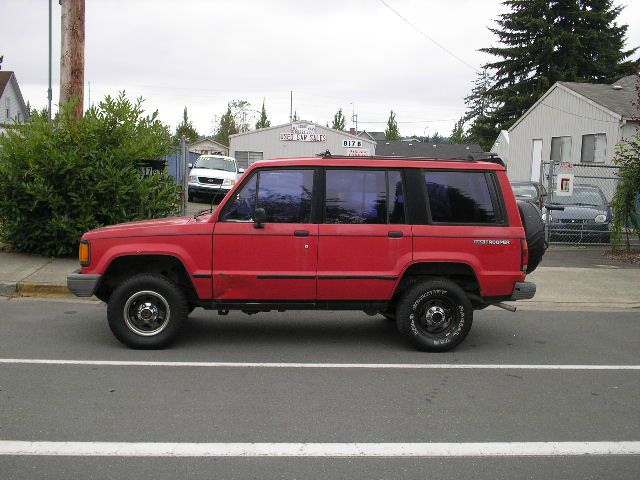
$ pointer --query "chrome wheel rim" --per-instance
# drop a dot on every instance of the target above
(147, 313)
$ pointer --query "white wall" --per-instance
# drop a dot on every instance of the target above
(268, 141)
(561, 113)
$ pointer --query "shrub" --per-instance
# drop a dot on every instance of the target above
(60, 179)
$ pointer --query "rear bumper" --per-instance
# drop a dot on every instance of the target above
(83, 285)
(523, 291)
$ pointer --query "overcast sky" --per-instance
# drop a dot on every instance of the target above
(332, 53)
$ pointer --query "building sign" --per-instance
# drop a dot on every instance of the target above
(358, 152)
(564, 185)
(303, 132)
(352, 143)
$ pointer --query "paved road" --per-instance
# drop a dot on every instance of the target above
(276, 403)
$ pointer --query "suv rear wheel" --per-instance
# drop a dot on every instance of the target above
(435, 316)
(146, 311)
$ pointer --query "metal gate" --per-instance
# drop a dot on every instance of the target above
(583, 214)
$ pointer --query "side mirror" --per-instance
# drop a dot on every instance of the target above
(241, 170)
(190, 165)
(259, 217)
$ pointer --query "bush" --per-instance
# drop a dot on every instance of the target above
(60, 179)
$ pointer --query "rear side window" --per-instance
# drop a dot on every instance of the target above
(396, 197)
(284, 194)
(356, 196)
(460, 197)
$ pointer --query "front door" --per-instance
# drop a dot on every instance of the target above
(363, 243)
(278, 260)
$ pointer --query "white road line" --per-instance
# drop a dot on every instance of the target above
(492, 449)
(390, 366)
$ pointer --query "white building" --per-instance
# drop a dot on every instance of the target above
(576, 123)
(298, 139)
(13, 109)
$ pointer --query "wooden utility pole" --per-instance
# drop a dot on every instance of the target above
(72, 54)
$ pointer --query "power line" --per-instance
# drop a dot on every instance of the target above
(428, 37)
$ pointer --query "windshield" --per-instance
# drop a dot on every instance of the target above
(525, 190)
(216, 163)
(581, 196)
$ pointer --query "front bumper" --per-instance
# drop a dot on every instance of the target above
(83, 285)
(208, 189)
(523, 291)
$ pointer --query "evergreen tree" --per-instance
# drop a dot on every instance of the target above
(436, 138)
(542, 42)
(186, 128)
(339, 122)
(457, 135)
(263, 122)
(226, 127)
(392, 132)
(295, 118)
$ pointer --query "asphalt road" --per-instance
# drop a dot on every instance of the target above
(86, 402)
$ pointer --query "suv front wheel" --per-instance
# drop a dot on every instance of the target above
(146, 311)
(435, 316)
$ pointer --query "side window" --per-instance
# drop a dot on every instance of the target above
(285, 195)
(356, 196)
(396, 197)
(241, 208)
(460, 197)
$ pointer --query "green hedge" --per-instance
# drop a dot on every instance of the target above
(60, 179)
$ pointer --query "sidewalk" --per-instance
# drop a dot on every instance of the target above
(569, 278)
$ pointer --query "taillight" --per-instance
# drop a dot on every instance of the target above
(85, 253)
(525, 255)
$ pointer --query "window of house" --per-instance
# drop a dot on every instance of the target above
(593, 148)
(356, 196)
(246, 159)
(284, 194)
(561, 149)
(460, 197)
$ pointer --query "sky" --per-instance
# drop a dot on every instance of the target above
(357, 55)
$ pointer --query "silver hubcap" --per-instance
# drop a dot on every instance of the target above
(435, 316)
(147, 313)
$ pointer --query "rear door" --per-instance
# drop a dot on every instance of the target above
(279, 260)
(363, 241)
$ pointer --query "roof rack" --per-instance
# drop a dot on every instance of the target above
(492, 158)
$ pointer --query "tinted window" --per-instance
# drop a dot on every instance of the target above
(242, 207)
(459, 197)
(356, 196)
(285, 195)
(396, 197)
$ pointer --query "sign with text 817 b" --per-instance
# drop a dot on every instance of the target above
(352, 143)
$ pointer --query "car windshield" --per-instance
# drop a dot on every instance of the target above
(524, 190)
(216, 163)
(580, 197)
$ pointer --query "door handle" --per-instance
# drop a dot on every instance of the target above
(394, 234)
(301, 233)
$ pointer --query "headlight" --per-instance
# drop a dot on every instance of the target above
(228, 182)
(600, 218)
(193, 178)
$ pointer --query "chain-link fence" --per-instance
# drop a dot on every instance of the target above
(177, 162)
(579, 209)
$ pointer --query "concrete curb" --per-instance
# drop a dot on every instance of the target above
(26, 289)
(8, 289)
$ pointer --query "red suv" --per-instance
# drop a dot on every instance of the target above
(422, 242)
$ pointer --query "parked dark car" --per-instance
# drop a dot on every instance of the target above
(533, 192)
(585, 218)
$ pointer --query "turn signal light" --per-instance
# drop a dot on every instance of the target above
(85, 254)
(525, 255)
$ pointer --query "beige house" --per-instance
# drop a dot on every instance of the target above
(208, 146)
(576, 123)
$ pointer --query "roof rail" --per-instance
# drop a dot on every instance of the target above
(470, 158)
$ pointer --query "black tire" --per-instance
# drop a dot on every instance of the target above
(191, 307)
(435, 316)
(190, 196)
(534, 230)
(166, 309)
